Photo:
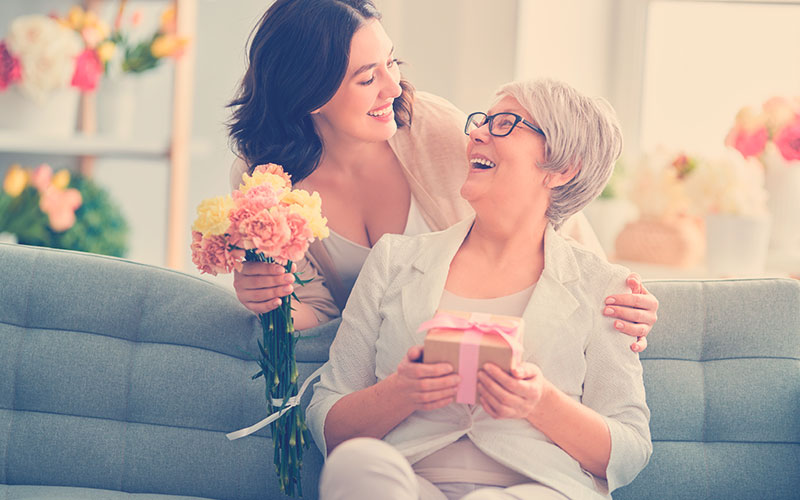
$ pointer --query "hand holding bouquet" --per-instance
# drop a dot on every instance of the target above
(265, 220)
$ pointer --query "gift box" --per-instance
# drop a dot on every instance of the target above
(468, 340)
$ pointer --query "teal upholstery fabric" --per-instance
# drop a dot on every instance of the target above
(125, 377)
(722, 373)
(119, 381)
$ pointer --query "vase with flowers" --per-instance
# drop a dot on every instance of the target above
(138, 45)
(771, 133)
(666, 232)
(728, 190)
(45, 62)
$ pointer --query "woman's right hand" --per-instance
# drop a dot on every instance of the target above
(425, 386)
(260, 285)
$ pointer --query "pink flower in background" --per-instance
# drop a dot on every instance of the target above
(88, 70)
(60, 206)
(301, 235)
(748, 142)
(212, 254)
(788, 140)
(10, 70)
(136, 18)
(41, 177)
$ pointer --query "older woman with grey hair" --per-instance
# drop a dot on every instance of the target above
(571, 420)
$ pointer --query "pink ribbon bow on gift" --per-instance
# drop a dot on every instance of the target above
(474, 328)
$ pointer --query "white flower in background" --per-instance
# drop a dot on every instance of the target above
(727, 183)
(47, 52)
(656, 186)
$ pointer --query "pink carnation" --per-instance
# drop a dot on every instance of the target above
(748, 142)
(265, 231)
(788, 140)
(10, 69)
(88, 70)
(301, 234)
(257, 198)
(274, 169)
(212, 254)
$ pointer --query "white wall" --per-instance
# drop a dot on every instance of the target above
(459, 49)
(568, 40)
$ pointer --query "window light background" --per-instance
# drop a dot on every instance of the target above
(676, 71)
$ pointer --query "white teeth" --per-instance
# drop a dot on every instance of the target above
(483, 161)
(386, 110)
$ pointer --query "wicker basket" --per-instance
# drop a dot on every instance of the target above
(678, 241)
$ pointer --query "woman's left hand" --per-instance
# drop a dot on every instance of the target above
(635, 312)
(510, 396)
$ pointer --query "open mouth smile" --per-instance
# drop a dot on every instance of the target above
(382, 111)
(482, 163)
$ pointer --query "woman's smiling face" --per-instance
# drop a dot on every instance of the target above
(505, 169)
(362, 106)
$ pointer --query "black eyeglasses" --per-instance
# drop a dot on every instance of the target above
(500, 124)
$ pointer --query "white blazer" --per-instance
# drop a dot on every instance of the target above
(566, 335)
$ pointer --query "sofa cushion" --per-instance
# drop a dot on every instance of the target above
(126, 377)
(722, 374)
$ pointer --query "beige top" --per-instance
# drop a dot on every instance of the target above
(348, 256)
(432, 152)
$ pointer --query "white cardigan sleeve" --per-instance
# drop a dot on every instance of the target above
(351, 361)
(614, 388)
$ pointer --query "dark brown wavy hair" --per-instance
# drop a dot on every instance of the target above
(298, 57)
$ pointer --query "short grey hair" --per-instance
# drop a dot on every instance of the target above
(580, 131)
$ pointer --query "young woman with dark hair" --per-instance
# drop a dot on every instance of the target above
(323, 97)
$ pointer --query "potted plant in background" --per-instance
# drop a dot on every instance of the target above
(45, 62)
(771, 133)
(59, 210)
(135, 49)
(728, 191)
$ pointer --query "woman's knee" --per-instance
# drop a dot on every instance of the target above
(366, 463)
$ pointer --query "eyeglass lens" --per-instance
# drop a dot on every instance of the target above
(500, 124)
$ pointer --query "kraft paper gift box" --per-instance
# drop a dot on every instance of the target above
(468, 340)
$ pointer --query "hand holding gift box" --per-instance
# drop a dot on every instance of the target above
(468, 340)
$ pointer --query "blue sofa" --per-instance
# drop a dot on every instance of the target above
(119, 380)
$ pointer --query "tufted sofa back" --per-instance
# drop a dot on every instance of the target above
(119, 380)
(125, 377)
(722, 374)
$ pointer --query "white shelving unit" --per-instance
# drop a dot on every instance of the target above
(87, 145)
(82, 144)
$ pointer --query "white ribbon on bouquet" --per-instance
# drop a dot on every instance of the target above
(290, 403)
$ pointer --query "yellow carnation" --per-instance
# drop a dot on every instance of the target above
(61, 179)
(258, 178)
(212, 215)
(308, 206)
(15, 181)
(302, 197)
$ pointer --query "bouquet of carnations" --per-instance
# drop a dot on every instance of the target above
(265, 220)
